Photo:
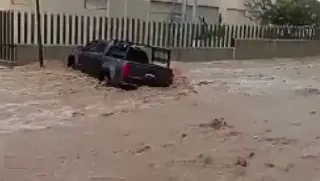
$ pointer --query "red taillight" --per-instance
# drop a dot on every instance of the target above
(125, 70)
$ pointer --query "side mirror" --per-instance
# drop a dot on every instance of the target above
(80, 47)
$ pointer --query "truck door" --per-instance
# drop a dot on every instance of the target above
(85, 56)
(97, 56)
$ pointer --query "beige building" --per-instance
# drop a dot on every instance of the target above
(232, 11)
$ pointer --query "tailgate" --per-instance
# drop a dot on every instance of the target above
(149, 74)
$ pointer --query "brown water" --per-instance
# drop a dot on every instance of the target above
(246, 120)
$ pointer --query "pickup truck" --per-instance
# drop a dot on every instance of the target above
(123, 63)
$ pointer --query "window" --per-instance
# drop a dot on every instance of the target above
(96, 4)
(21, 2)
(101, 47)
(91, 46)
(138, 55)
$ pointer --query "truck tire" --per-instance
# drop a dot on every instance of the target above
(169, 82)
(104, 76)
(71, 62)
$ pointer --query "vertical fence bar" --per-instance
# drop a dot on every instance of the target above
(232, 41)
(100, 26)
(215, 29)
(137, 35)
(32, 28)
(88, 28)
(70, 29)
(106, 32)
(24, 28)
(196, 36)
(122, 28)
(117, 28)
(248, 34)
(7, 32)
(2, 35)
(257, 35)
(164, 34)
(18, 28)
(8, 29)
(223, 35)
(253, 32)
(149, 33)
(45, 28)
(168, 34)
(228, 36)
(5, 35)
(81, 32)
(173, 35)
(58, 32)
(12, 37)
(64, 29)
(183, 34)
(159, 33)
(51, 32)
(143, 40)
(127, 29)
(154, 26)
(76, 30)
(179, 37)
(260, 31)
(188, 33)
(133, 30)
(94, 28)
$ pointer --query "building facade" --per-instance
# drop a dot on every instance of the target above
(231, 11)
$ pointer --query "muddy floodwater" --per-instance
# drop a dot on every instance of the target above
(223, 121)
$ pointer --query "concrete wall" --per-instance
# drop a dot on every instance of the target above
(261, 49)
(243, 50)
(201, 54)
(26, 54)
(29, 53)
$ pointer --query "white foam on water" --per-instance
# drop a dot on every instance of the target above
(33, 115)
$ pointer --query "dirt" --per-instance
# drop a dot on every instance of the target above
(226, 120)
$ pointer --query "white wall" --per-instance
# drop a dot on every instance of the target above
(59, 6)
(231, 10)
(4, 4)
(237, 16)
(160, 11)
(135, 8)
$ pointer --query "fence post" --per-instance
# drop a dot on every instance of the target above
(39, 34)
(159, 33)
(188, 35)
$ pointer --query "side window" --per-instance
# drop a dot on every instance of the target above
(101, 47)
(116, 52)
(91, 46)
(137, 55)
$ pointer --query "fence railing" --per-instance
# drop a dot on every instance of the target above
(68, 29)
(7, 46)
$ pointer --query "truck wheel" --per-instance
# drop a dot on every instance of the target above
(169, 82)
(104, 77)
(71, 62)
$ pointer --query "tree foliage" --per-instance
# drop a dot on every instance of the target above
(284, 12)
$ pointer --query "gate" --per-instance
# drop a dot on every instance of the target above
(7, 46)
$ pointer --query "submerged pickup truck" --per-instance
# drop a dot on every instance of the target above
(122, 63)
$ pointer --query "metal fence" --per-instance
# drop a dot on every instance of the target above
(7, 46)
(69, 29)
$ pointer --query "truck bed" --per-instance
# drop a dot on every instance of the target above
(148, 74)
